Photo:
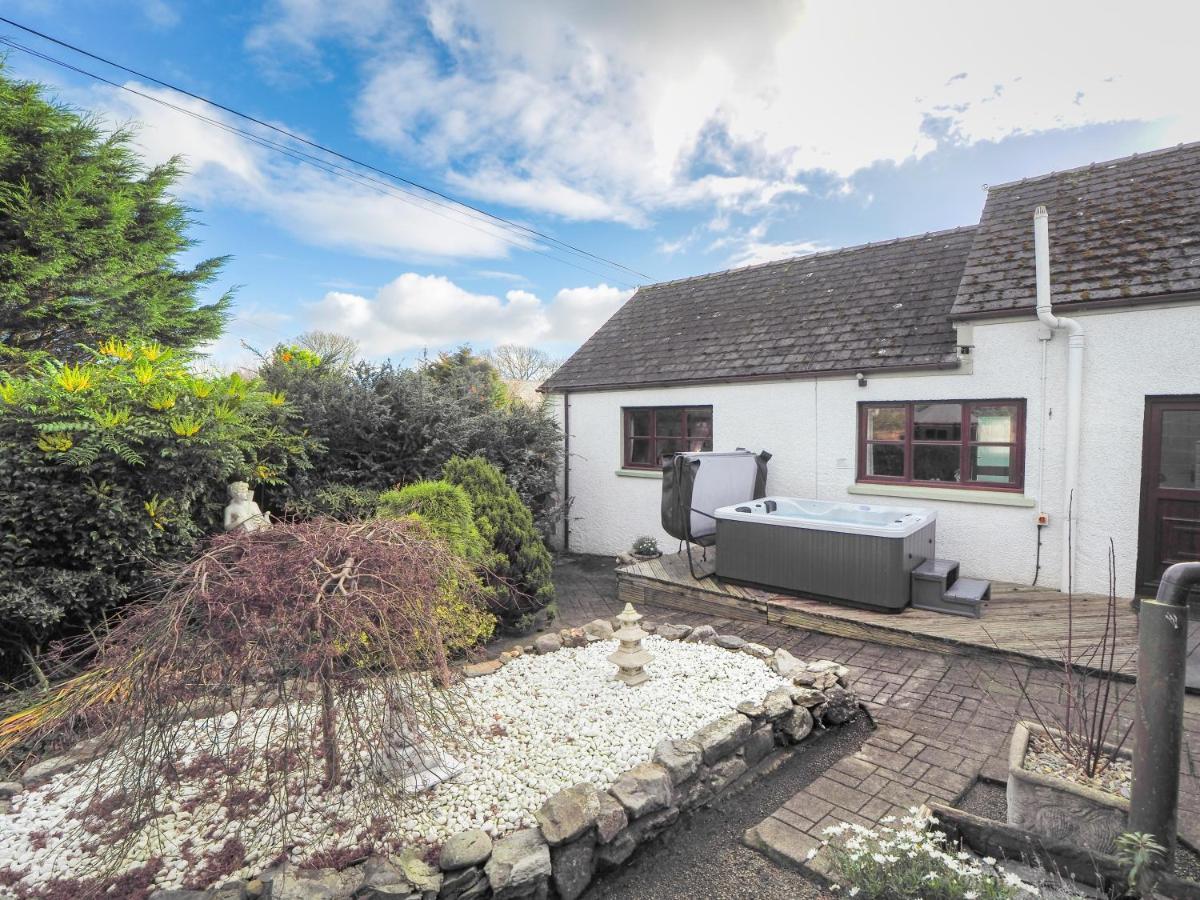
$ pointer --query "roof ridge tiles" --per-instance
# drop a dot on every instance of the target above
(1103, 163)
(820, 254)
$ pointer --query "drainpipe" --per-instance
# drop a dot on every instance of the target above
(566, 547)
(1158, 715)
(1075, 345)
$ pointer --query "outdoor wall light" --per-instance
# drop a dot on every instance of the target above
(862, 379)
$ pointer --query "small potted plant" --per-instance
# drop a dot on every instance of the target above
(645, 547)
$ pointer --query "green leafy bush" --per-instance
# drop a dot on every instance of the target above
(112, 464)
(376, 426)
(521, 564)
(445, 510)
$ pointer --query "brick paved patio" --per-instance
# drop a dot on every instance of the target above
(942, 720)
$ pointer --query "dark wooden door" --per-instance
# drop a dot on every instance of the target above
(1170, 525)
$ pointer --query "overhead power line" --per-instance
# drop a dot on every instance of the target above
(429, 197)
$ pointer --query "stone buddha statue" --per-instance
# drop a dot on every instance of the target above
(242, 512)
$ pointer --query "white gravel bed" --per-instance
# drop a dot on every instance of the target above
(544, 723)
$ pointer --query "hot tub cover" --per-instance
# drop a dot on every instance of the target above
(695, 485)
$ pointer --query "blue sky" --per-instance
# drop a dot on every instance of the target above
(674, 137)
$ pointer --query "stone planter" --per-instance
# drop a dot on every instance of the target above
(1059, 809)
(645, 557)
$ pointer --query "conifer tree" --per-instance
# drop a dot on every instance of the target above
(90, 238)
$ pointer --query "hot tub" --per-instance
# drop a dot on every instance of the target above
(846, 552)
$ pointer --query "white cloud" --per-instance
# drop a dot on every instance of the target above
(314, 206)
(430, 311)
(752, 252)
(616, 110)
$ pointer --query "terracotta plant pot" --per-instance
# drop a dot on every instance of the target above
(1061, 809)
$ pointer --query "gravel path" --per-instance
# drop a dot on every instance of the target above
(703, 855)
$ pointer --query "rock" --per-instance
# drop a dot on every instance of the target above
(828, 665)
(518, 863)
(729, 641)
(721, 738)
(778, 703)
(643, 789)
(508, 656)
(314, 884)
(598, 630)
(479, 669)
(673, 632)
(807, 697)
(230, 890)
(648, 627)
(572, 865)
(465, 884)
(798, 724)
(179, 895)
(611, 855)
(786, 664)
(569, 813)
(572, 637)
(804, 678)
(381, 880)
(467, 848)
(751, 710)
(840, 707)
(424, 877)
(651, 826)
(701, 634)
(681, 758)
(760, 744)
(725, 773)
(255, 887)
(547, 643)
(10, 789)
(758, 651)
(47, 767)
(611, 818)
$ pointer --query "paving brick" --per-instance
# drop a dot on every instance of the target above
(837, 794)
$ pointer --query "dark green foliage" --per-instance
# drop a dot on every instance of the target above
(521, 561)
(89, 240)
(378, 426)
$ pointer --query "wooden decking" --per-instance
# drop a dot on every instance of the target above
(1023, 623)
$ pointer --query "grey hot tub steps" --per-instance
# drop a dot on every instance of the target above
(937, 587)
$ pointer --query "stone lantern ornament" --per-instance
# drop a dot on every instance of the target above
(630, 657)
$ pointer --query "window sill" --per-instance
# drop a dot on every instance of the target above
(953, 495)
(640, 473)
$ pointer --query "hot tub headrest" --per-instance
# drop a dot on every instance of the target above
(695, 485)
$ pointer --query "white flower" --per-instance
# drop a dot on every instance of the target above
(888, 820)
(971, 895)
(990, 860)
(879, 858)
(811, 854)
(853, 892)
(1011, 880)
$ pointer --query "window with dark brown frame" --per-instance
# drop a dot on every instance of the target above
(977, 444)
(653, 434)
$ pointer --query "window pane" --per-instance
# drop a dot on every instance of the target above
(886, 460)
(668, 422)
(639, 423)
(639, 452)
(699, 423)
(935, 462)
(996, 424)
(937, 422)
(668, 448)
(1179, 458)
(886, 423)
(992, 465)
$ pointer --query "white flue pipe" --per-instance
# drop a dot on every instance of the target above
(1075, 345)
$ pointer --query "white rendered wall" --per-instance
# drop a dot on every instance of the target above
(811, 428)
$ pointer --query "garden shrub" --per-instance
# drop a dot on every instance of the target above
(316, 637)
(112, 464)
(521, 565)
(445, 510)
(381, 425)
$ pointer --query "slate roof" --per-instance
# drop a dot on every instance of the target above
(883, 305)
(1120, 232)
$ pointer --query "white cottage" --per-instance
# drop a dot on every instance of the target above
(919, 372)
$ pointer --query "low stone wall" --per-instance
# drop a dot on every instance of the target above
(584, 831)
